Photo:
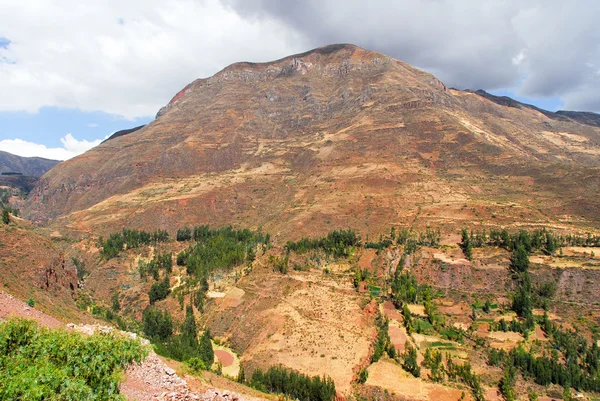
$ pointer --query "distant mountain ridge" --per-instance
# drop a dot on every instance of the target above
(582, 117)
(27, 166)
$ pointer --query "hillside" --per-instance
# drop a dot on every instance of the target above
(336, 137)
(27, 166)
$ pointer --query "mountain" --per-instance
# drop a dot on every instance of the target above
(338, 136)
(28, 166)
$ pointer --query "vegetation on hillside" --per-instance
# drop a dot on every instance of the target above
(129, 239)
(41, 364)
(337, 243)
(282, 380)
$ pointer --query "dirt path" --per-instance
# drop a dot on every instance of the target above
(13, 307)
(151, 380)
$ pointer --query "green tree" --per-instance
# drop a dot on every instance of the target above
(5, 216)
(116, 305)
(410, 360)
(205, 349)
(160, 290)
(189, 331)
(466, 244)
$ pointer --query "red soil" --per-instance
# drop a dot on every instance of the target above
(225, 357)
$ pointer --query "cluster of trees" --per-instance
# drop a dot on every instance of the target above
(36, 364)
(433, 361)
(5, 195)
(183, 346)
(412, 239)
(382, 344)
(128, 239)
(159, 290)
(220, 249)
(337, 243)
(464, 373)
(569, 361)
(541, 240)
(406, 289)
(204, 233)
(282, 380)
(161, 260)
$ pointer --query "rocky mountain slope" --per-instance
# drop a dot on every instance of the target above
(28, 166)
(335, 137)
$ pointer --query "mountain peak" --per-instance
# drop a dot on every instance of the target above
(338, 61)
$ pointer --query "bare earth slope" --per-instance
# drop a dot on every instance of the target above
(338, 136)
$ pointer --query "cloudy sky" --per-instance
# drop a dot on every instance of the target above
(73, 72)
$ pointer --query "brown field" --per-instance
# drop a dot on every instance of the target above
(390, 376)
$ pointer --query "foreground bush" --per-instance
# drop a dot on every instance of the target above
(42, 364)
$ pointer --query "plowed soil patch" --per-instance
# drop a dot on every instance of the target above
(225, 357)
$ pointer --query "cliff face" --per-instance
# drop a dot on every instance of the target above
(337, 136)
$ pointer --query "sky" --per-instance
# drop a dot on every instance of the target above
(72, 72)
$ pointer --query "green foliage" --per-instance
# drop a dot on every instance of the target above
(382, 341)
(363, 375)
(507, 384)
(129, 239)
(572, 361)
(279, 264)
(466, 244)
(184, 234)
(406, 289)
(410, 360)
(408, 320)
(205, 348)
(519, 261)
(42, 364)
(196, 364)
(381, 245)
(337, 243)
(221, 248)
(161, 260)
(157, 325)
(160, 290)
(183, 346)
(116, 305)
(414, 239)
(281, 380)
(31, 302)
(433, 361)
(463, 372)
(5, 216)
(80, 268)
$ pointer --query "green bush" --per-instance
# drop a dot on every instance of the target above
(43, 364)
(196, 364)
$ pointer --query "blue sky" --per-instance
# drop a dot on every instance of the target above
(49, 124)
(72, 73)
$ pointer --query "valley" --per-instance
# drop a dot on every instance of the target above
(336, 224)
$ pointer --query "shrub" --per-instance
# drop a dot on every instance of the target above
(42, 364)
(196, 364)
(31, 302)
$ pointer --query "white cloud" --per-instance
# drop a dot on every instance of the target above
(130, 57)
(71, 148)
(92, 125)
(124, 58)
